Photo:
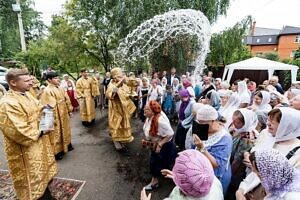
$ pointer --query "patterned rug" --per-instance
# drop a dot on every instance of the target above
(61, 188)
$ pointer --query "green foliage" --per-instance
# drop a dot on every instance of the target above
(227, 47)
(64, 50)
(89, 33)
(287, 74)
(271, 56)
(9, 34)
(178, 53)
(108, 21)
(297, 53)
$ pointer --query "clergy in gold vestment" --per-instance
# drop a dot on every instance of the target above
(29, 153)
(59, 101)
(85, 95)
(120, 108)
(34, 90)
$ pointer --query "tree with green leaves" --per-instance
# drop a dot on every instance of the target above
(9, 28)
(108, 21)
(227, 47)
(63, 49)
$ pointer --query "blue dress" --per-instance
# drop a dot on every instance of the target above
(221, 151)
(219, 146)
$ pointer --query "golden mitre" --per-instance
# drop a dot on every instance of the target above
(117, 71)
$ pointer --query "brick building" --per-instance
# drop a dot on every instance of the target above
(283, 41)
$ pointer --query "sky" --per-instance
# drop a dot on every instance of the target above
(266, 13)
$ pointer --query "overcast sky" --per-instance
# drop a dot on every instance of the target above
(266, 13)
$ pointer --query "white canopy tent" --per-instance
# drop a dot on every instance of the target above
(256, 63)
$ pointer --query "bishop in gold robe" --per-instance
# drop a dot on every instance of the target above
(59, 101)
(85, 94)
(29, 152)
(120, 108)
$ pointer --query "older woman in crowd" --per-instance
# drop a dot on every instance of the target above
(217, 148)
(295, 102)
(244, 122)
(158, 131)
(279, 178)
(213, 99)
(283, 130)
(69, 86)
(232, 105)
(185, 118)
(224, 96)
(261, 101)
(244, 95)
(189, 87)
(155, 92)
(194, 178)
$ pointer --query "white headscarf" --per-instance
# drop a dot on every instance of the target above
(232, 105)
(265, 106)
(289, 125)
(243, 92)
(250, 119)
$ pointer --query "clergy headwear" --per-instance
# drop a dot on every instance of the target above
(117, 71)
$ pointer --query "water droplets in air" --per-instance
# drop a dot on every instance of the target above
(152, 33)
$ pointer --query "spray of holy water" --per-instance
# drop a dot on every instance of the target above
(152, 33)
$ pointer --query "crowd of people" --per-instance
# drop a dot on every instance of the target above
(236, 141)
(230, 125)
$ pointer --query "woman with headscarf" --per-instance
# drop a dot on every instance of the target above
(194, 178)
(176, 88)
(69, 86)
(158, 131)
(244, 94)
(244, 122)
(213, 99)
(224, 97)
(261, 101)
(217, 148)
(279, 178)
(231, 106)
(284, 127)
(185, 118)
(155, 92)
(163, 83)
(189, 87)
(143, 95)
(295, 102)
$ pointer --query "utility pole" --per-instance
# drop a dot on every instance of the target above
(17, 9)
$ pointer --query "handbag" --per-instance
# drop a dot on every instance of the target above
(259, 192)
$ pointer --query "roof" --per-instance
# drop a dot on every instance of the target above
(257, 63)
(262, 40)
(287, 30)
(266, 36)
(265, 31)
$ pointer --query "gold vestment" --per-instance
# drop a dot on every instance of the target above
(84, 91)
(34, 90)
(120, 109)
(59, 100)
(30, 157)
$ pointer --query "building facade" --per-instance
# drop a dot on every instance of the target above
(283, 41)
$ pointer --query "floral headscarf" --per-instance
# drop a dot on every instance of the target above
(277, 174)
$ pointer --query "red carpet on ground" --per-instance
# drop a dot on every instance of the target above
(61, 188)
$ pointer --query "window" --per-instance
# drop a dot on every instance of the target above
(270, 40)
(297, 40)
(257, 40)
